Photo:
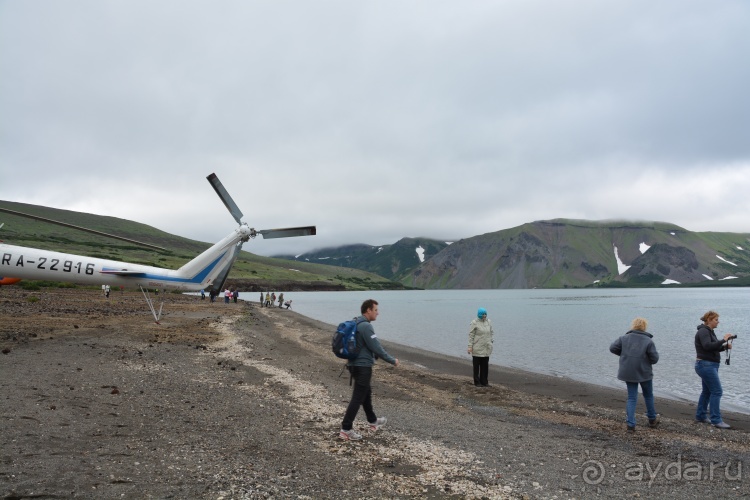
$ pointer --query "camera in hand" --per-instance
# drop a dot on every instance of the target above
(729, 346)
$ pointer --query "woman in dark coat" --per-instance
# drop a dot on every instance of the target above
(637, 355)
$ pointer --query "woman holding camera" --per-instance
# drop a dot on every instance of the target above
(708, 360)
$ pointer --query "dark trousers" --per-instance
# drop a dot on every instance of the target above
(481, 367)
(361, 396)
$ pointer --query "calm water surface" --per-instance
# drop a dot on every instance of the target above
(565, 333)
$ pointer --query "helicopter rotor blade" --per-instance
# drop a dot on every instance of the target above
(224, 195)
(287, 232)
(84, 229)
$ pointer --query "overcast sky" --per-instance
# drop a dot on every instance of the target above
(376, 120)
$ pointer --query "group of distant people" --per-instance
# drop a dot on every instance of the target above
(229, 295)
(270, 299)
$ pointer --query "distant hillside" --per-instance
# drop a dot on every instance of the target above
(573, 253)
(250, 270)
(544, 254)
(390, 261)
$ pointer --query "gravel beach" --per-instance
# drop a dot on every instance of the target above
(237, 401)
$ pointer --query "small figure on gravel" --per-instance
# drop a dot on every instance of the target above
(481, 338)
(637, 356)
(281, 299)
(707, 363)
(361, 371)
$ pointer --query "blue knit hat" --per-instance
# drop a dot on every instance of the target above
(481, 312)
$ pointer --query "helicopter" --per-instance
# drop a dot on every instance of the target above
(208, 271)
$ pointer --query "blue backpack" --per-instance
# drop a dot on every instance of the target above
(344, 342)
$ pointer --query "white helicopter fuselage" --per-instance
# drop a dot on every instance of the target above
(208, 271)
(200, 273)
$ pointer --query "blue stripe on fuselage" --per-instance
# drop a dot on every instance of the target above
(195, 279)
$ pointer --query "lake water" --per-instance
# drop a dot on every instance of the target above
(564, 333)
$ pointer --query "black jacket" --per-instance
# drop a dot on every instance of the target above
(707, 346)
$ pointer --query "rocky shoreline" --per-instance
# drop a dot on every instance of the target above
(236, 401)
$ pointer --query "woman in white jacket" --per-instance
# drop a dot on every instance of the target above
(480, 346)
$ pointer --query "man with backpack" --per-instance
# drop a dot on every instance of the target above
(361, 371)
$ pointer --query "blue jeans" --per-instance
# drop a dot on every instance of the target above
(648, 396)
(711, 395)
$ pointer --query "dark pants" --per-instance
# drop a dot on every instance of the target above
(361, 396)
(481, 367)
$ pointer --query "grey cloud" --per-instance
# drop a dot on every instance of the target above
(437, 120)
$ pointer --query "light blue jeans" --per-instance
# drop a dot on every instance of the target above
(648, 396)
(711, 395)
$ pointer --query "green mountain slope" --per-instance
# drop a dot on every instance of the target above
(390, 261)
(571, 253)
(250, 271)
